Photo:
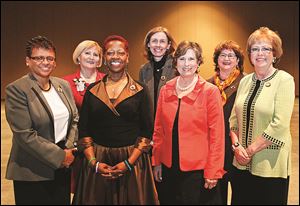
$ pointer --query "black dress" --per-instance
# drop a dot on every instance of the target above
(115, 129)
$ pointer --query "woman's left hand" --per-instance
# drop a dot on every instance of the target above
(241, 155)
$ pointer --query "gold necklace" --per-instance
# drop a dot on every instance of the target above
(114, 89)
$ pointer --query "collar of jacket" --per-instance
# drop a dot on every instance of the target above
(191, 97)
(131, 88)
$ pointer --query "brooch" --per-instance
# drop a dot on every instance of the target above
(163, 78)
(268, 84)
(132, 87)
(59, 89)
(80, 84)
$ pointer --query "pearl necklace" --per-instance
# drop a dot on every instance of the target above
(193, 83)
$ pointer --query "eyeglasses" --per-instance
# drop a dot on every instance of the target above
(230, 56)
(264, 50)
(40, 59)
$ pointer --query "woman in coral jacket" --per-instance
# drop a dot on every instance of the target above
(188, 150)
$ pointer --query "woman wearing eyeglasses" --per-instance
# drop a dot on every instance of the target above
(43, 117)
(260, 125)
(229, 59)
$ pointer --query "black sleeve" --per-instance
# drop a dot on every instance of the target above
(84, 115)
(146, 114)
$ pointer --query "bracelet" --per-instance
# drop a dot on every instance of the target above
(128, 165)
(93, 158)
(97, 167)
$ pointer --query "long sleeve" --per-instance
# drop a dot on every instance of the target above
(283, 108)
(158, 133)
(84, 116)
(146, 119)
(215, 162)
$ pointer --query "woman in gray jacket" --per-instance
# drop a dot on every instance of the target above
(159, 47)
(42, 115)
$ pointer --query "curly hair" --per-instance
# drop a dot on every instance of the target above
(230, 45)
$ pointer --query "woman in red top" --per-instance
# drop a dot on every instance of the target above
(188, 150)
(88, 55)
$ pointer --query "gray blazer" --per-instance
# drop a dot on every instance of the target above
(146, 76)
(34, 155)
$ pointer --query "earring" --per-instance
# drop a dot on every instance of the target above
(274, 60)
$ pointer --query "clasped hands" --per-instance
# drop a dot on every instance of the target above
(242, 155)
(111, 172)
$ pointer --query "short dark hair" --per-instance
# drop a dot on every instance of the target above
(230, 45)
(115, 38)
(39, 42)
(182, 49)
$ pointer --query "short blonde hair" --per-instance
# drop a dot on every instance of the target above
(86, 44)
(264, 33)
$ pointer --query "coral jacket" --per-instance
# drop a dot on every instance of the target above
(200, 127)
(78, 95)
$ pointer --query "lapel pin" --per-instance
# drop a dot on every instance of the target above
(163, 78)
(132, 87)
(59, 89)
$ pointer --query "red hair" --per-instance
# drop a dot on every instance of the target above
(115, 38)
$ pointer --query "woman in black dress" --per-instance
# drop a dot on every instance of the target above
(115, 128)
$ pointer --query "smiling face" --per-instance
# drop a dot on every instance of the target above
(158, 45)
(261, 55)
(227, 60)
(43, 64)
(89, 58)
(116, 56)
(187, 64)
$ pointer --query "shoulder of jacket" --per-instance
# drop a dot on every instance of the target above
(145, 66)
(24, 81)
(284, 75)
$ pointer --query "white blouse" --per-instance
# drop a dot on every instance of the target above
(60, 114)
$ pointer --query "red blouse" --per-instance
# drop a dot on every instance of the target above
(78, 95)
